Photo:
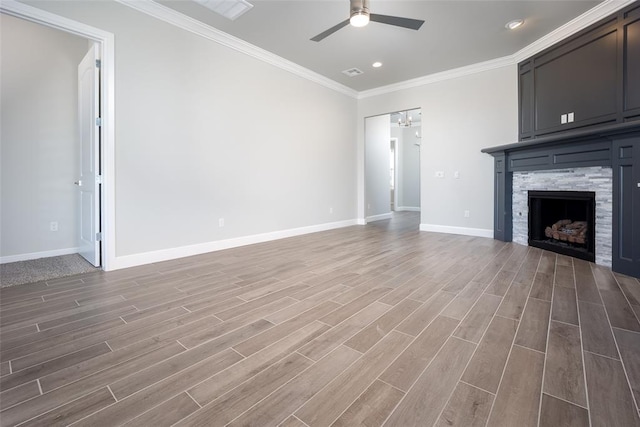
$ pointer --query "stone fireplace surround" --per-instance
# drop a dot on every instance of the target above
(597, 179)
(601, 152)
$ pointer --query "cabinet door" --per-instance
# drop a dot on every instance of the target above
(626, 206)
(632, 63)
(525, 99)
(579, 77)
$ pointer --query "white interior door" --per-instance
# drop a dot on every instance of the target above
(89, 180)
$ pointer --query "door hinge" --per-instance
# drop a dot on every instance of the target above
(98, 237)
(98, 121)
(98, 63)
(98, 179)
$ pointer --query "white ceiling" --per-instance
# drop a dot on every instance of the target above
(455, 34)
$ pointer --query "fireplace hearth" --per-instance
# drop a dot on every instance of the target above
(563, 222)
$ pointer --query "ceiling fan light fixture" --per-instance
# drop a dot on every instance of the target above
(512, 25)
(359, 19)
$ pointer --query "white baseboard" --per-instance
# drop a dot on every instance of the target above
(477, 232)
(361, 221)
(408, 208)
(37, 255)
(379, 217)
(201, 248)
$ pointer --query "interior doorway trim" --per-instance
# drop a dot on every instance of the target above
(105, 41)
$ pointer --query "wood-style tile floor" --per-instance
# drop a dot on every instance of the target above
(373, 325)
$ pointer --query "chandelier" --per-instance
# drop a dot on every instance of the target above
(406, 122)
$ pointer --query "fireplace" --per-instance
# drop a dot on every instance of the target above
(563, 222)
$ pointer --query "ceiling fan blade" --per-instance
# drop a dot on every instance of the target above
(413, 24)
(330, 31)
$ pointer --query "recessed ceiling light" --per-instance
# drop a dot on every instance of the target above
(512, 25)
(376, 64)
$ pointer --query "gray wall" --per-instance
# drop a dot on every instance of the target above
(205, 132)
(377, 162)
(460, 116)
(39, 148)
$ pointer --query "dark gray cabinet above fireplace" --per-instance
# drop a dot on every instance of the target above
(588, 80)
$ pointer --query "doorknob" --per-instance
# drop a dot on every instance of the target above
(78, 183)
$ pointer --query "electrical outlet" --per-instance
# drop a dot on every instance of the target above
(221, 222)
(330, 210)
(439, 174)
(466, 214)
(53, 226)
(456, 175)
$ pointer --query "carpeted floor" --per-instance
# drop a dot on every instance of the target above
(37, 270)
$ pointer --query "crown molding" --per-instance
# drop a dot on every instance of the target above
(437, 77)
(194, 26)
(591, 16)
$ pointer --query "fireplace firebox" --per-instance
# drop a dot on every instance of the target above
(563, 222)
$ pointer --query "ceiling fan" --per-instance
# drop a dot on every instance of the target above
(360, 16)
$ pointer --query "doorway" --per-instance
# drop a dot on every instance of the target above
(104, 227)
(392, 163)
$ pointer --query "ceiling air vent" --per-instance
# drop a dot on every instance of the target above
(352, 72)
(230, 9)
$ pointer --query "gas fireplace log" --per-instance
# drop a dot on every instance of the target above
(566, 230)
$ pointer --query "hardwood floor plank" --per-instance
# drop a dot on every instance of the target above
(556, 412)
(610, 399)
(564, 376)
(585, 283)
(42, 369)
(5, 369)
(468, 407)
(205, 329)
(404, 371)
(464, 301)
(133, 383)
(596, 332)
(304, 305)
(224, 409)
(292, 421)
(501, 283)
(474, 324)
(266, 338)
(428, 396)
(369, 336)
(630, 287)
(348, 310)
(99, 364)
(337, 335)
(152, 396)
(565, 306)
(534, 325)
(219, 384)
(327, 405)
(564, 276)
(518, 398)
(542, 286)
(372, 407)
(13, 396)
(75, 410)
(486, 367)
(629, 345)
(620, 313)
(65, 394)
(514, 300)
(416, 322)
(167, 414)
(284, 401)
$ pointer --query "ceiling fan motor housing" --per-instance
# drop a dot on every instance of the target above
(359, 7)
